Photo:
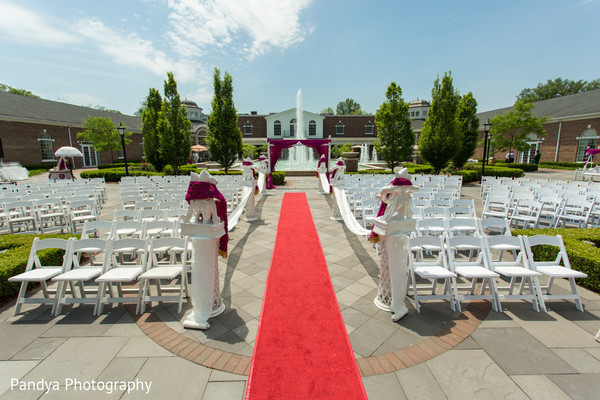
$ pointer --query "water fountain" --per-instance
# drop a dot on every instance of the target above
(364, 153)
(375, 158)
(300, 157)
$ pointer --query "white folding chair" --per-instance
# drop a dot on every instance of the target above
(150, 215)
(35, 271)
(495, 206)
(557, 268)
(126, 260)
(21, 216)
(77, 273)
(526, 212)
(51, 214)
(494, 226)
(158, 228)
(127, 229)
(435, 212)
(96, 229)
(125, 215)
(428, 261)
(80, 211)
(517, 270)
(431, 227)
(167, 261)
(463, 226)
(473, 269)
(575, 212)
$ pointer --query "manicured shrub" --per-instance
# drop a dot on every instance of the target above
(582, 249)
(524, 167)
(468, 175)
(278, 178)
(561, 165)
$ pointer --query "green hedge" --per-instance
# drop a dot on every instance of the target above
(468, 175)
(278, 178)
(582, 249)
(524, 167)
(114, 175)
(14, 260)
(561, 165)
(497, 171)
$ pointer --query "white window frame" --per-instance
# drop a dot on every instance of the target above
(337, 128)
(46, 140)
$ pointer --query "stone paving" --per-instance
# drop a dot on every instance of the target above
(435, 354)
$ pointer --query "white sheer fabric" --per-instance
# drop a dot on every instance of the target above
(324, 182)
(234, 218)
(347, 215)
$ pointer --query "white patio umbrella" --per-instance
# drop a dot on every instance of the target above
(68, 151)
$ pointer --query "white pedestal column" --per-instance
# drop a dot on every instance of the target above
(206, 295)
(393, 265)
(335, 209)
(250, 209)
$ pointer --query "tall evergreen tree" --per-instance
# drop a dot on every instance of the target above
(224, 138)
(151, 115)
(468, 124)
(174, 128)
(395, 137)
(440, 137)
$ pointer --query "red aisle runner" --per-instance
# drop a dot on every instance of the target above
(302, 350)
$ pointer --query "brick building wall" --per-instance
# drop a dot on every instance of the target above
(20, 143)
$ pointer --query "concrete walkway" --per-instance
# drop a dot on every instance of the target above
(435, 354)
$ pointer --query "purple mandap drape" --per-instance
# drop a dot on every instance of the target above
(277, 146)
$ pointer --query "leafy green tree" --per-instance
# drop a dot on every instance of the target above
(468, 125)
(224, 138)
(348, 107)
(9, 89)
(510, 130)
(103, 134)
(327, 111)
(174, 128)
(557, 88)
(395, 137)
(338, 149)
(440, 136)
(249, 151)
(151, 116)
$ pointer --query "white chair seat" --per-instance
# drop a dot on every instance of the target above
(120, 275)
(561, 272)
(36, 275)
(161, 273)
(433, 272)
(79, 274)
(474, 271)
(516, 271)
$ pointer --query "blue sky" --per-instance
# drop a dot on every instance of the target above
(111, 52)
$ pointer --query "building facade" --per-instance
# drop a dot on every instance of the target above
(31, 129)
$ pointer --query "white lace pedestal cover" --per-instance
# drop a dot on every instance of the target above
(394, 264)
(206, 295)
(250, 209)
(335, 209)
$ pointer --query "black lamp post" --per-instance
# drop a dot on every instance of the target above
(121, 130)
(486, 130)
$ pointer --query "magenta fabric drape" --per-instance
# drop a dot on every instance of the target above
(277, 146)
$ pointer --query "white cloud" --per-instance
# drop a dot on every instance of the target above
(252, 26)
(131, 50)
(23, 25)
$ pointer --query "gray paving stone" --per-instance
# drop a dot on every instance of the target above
(578, 387)
(468, 344)
(80, 358)
(517, 352)
(39, 349)
(171, 378)
(466, 374)
(143, 346)
(383, 387)
(539, 387)
(80, 321)
(419, 383)
(363, 344)
(15, 336)
(12, 373)
(224, 391)
(580, 359)
(399, 339)
(221, 376)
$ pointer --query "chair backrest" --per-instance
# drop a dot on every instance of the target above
(125, 215)
(126, 228)
(428, 250)
(158, 227)
(500, 243)
(530, 242)
(175, 214)
(463, 226)
(431, 227)
(150, 215)
(93, 246)
(96, 229)
(128, 252)
(494, 226)
(435, 212)
(38, 244)
(88, 206)
(472, 244)
(168, 251)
